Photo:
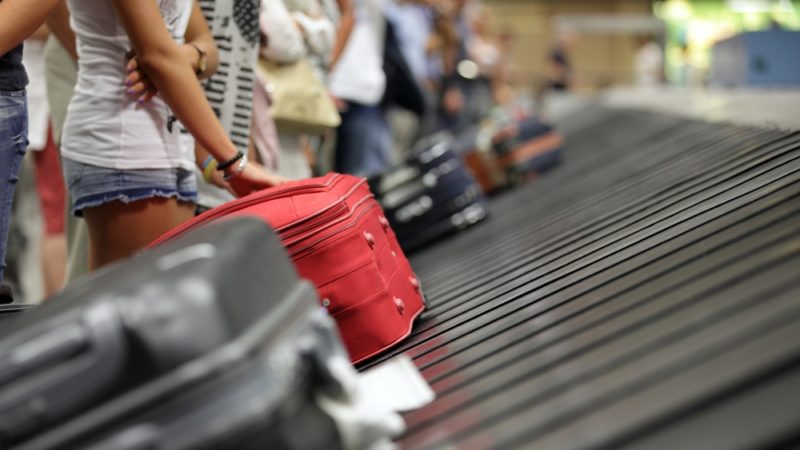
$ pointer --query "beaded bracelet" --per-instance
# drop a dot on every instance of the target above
(230, 162)
(239, 169)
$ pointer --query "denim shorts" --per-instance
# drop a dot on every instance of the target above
(91, 186)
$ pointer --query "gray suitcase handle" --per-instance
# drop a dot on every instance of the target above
(85, 352)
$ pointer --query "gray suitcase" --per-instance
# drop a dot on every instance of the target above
(209, 341)
(12, 310)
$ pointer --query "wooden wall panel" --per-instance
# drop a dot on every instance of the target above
(598, 59)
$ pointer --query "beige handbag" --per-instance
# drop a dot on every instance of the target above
(300, 101)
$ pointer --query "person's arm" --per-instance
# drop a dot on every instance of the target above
(347, 21)
(41, 33)
(198, 35)
(197, 38)
(58, 21)
(21, 18)
(160, 57)
(201, 156)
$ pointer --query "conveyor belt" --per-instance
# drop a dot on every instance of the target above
(644, 295)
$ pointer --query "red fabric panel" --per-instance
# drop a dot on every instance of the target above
(340, 240)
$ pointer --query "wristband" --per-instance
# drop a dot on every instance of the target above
(238, 170)
(224, 165)
(208, 167)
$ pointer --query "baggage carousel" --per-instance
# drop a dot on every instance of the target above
(645, 294)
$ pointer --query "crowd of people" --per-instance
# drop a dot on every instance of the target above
(142, 114)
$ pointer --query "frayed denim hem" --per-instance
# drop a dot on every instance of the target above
(128, 196)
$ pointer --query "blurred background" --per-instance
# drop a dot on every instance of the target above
(696, 43)
(484, 63)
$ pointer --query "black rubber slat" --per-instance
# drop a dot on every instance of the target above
(559, 217)
(474, 304)
(590, 319)
(660, 199)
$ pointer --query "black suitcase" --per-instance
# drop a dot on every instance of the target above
(430, 194)
(527, 148)
(210, 341)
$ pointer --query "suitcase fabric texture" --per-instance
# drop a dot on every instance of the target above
(340, 240)
(527, 148)
(210, 341)
(430, 194)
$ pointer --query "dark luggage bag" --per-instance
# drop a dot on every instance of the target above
(527, 148)
(474, 147)
(430, 194)
(208, 342)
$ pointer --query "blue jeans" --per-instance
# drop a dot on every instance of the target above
(363, 141)
(13, 142)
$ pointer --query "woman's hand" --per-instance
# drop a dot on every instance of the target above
(254, 177)
(137, 83)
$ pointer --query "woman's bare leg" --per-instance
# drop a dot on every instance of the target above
(118, 230)
(53, 252)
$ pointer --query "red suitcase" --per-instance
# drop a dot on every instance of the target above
(339, 239)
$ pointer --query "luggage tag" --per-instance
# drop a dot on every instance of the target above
(370, 417)
(398, 384)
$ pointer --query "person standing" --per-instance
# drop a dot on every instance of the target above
(47, 168)
(235, 27)
(357, 81)
(126, 167)
(61, 74)
(411, 22)
(559, 65)
(648, 63)
(18, 20)
(294, 30)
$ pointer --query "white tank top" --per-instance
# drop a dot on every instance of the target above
(106, 127)
(359, 76)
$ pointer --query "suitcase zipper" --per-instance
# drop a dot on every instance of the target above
(285, 232)
(261, 197)
(242, 203)
(309, 223)
(295, 252)
(319, 229)
(322, 216)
